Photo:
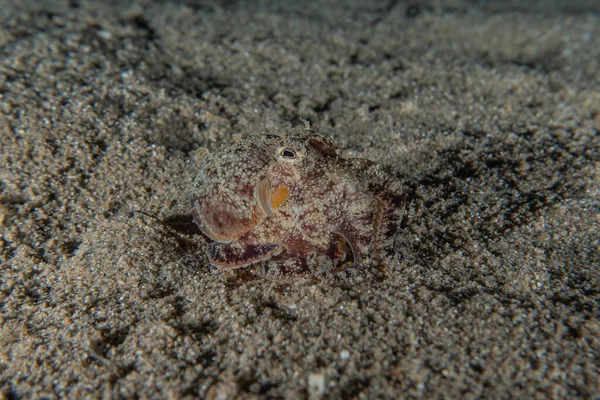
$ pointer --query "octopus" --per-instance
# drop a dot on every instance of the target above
(293, 205)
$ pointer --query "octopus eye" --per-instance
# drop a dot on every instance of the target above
(288, 154)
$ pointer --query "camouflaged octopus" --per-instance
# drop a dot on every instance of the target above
(293, 204)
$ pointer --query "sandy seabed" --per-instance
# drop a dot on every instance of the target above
(488, 112)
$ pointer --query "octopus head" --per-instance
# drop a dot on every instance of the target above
(239, 186)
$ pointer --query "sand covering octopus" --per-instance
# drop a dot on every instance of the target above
(292, 203)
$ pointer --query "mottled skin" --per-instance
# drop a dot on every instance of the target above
(338, 212)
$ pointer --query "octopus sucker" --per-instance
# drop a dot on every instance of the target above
(344, 254)
(268, 199)
(262, 193)
(278, 197)
(232, 257)
(294, 205)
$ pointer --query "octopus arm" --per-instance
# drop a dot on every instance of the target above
(263, 242)
(356, 235)
(238, 255)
